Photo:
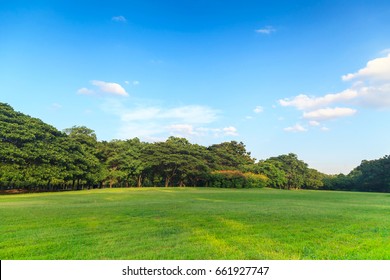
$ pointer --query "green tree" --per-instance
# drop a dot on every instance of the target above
(313, 179)
(372, 175)
(273, 171)
(122, 161)
(86, 166)
(230, 156)
(294, 169)
(31, 154)
(176, 161)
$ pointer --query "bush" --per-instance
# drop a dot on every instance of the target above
(256, 180)
(236, 179)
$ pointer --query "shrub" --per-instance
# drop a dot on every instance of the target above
(255, 180)
(236, 179)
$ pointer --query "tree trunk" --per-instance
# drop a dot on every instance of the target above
(166, 181)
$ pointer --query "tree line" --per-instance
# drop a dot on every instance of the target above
(37, 157)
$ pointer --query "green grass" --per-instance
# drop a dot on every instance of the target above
(195, 223)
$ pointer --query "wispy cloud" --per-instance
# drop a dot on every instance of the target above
(258, 109)
(134, 83)
(376, 96)
(266, 30)
(157, 122)
(303, 102)
(85, 91)
(119, 19)
(182, 130)
(314, 123)
(324, 128)
(295, 128)
(328, 113)
(218, 132)
(231, 130)
(188, 130)
(188, 114)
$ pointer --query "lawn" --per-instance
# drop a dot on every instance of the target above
(195, 223)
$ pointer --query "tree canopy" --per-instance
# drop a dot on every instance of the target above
(37, 156)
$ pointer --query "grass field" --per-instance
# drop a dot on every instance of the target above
(195, 223)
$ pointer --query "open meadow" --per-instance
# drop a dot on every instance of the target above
(195, 223)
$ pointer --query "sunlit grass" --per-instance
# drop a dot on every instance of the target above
(195, 223)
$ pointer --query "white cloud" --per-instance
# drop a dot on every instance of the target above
(314, 123)
(324, 128)
(119, 19)
(231, 131)
(370, 89)
(377, 69)
(295, 128)
(373, 83)
(188, 130)
(377, 96)
(266, 30)
(134, 83)
(385, 51)
(111, 88)
(85, 91)
(182, 129)
(190, 114)
(217, 132)
(156, 122)
(302, 101)
(155, 131)
(329, 113)
(258, 109)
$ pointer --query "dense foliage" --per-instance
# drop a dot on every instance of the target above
(236, 179)
(370, 175)
(36, 156)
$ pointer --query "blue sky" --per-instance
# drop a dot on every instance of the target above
(308, 77)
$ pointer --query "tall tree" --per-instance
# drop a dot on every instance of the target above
(372, 175)
(176, 161)
(273, 170)
(87, 168)
(230, 155)
(294, 169)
